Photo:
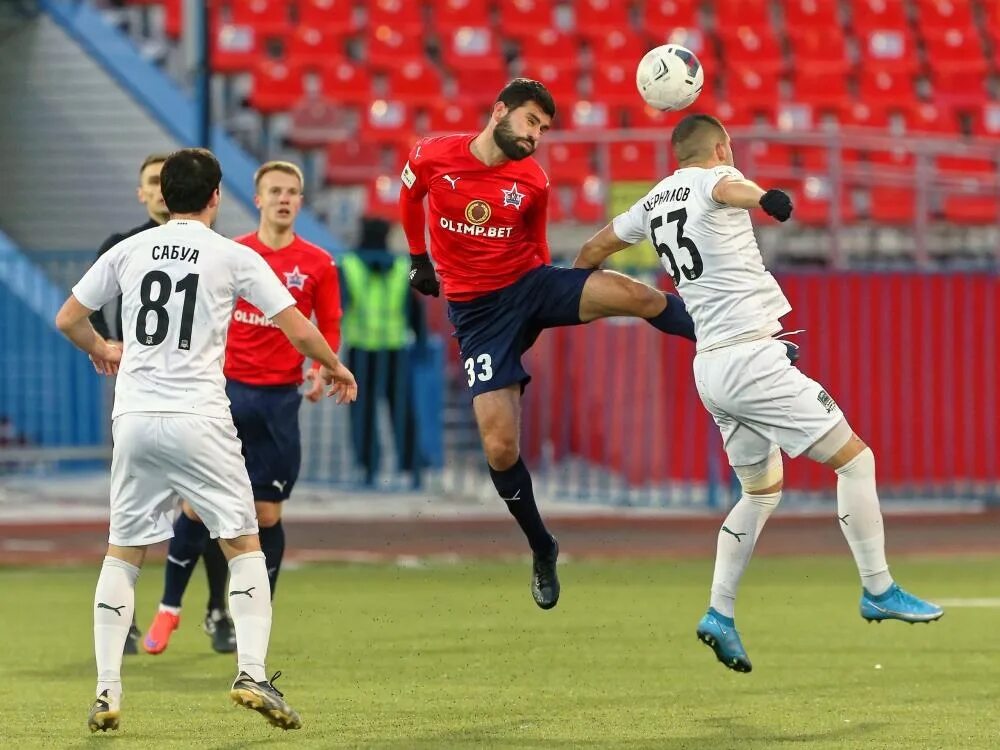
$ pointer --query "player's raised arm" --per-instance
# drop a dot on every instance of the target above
(744, 193)
(600, 247)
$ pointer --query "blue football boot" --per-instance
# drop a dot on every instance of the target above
(897, 604)
(718, 632)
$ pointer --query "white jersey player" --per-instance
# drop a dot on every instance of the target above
(698, 220)
(173, 432)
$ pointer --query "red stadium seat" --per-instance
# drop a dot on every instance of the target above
(803, 15)
(892, 205)
(173, 18)
(267, 17)
(316, 120)
(312, 48)
(276, 87)
(457, 117)
(823, 90)
(863, 114)
(386, 46)
(986, 121)
(561, 81)
(866, 15)
(330, 16)
(479, 87)
(633, 162)
(346, 82)
(352, 162)
(817, 49)
(747, 88)
(813, 201)
(567, 162)
(387, 121)
(958, 90)
(617, 47)
(755, 47)
(590, 115)
(450, 15)
(414, 81)
(742, 13)
(889, 49)
(550, 47)
(767, 159)
(614, 83)
(595, 17)
(234, 49)
(590, 203)
(668, 14)
(960, 166)
(472, 48)
(936, 14)
(890, 89)
(955, 50)
(521, 18)
(977, 206)
(405, 15)
(931, 118)
(382, 197)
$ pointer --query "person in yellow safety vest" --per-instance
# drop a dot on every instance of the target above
(382, 320)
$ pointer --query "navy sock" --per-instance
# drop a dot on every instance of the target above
(217, 570)
(272, 544)
(182, 555)
(514, 487)
(674, 319)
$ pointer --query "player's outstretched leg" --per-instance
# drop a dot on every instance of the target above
(250, 605)
(218, 624)
(609, 293)
(186, 547)
(497, 414)
(762, 483)
(860, 521)
(114, 604)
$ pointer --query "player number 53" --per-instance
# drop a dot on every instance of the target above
(485, 362)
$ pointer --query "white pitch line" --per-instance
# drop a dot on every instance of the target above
(977, 603)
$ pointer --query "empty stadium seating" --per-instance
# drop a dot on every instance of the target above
(912, 67)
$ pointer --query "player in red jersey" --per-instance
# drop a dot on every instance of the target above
(263, 374)
(487, 201)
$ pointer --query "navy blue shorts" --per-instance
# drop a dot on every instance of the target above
(267, 422)
(494, 330)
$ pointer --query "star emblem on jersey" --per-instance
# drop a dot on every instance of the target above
(295, 279)
(512, 197)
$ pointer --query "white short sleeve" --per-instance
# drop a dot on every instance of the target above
(712, 178)
(257, 284)
(631, 225)
(99, 285)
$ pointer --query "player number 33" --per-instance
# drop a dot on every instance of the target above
(485, 362)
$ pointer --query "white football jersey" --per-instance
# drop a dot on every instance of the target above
(179, 283)
(710, 250)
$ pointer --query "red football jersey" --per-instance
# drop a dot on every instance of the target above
(257, 352)
(487, 224)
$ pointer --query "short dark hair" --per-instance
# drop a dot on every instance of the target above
(188, 180)
(687, 134)
(152, 159)
(523, 90)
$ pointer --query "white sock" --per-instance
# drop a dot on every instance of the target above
(250, 607)
(861, 520)
(172, 610)
(114, 603)
(737, 538)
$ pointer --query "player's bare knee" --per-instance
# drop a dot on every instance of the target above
(268, 514)
(764, 477)
(501, 454)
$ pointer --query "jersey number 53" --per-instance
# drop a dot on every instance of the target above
(667, 255)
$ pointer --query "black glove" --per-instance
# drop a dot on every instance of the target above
(776, 203)
(791, 351)
(422, 276)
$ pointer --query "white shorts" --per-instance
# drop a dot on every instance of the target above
(159, 458)
(758, 399)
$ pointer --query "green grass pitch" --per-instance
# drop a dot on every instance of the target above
(458, 656)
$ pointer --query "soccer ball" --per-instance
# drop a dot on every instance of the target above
(669, 77)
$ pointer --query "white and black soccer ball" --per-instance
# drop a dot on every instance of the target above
(669, 77)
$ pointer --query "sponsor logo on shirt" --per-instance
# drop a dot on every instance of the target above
(408, 177)
(253, 319)
(478, 212)
(512, 197)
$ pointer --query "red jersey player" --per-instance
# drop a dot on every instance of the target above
(263, 374)
(487, 202)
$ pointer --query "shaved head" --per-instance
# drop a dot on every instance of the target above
(695, 138)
